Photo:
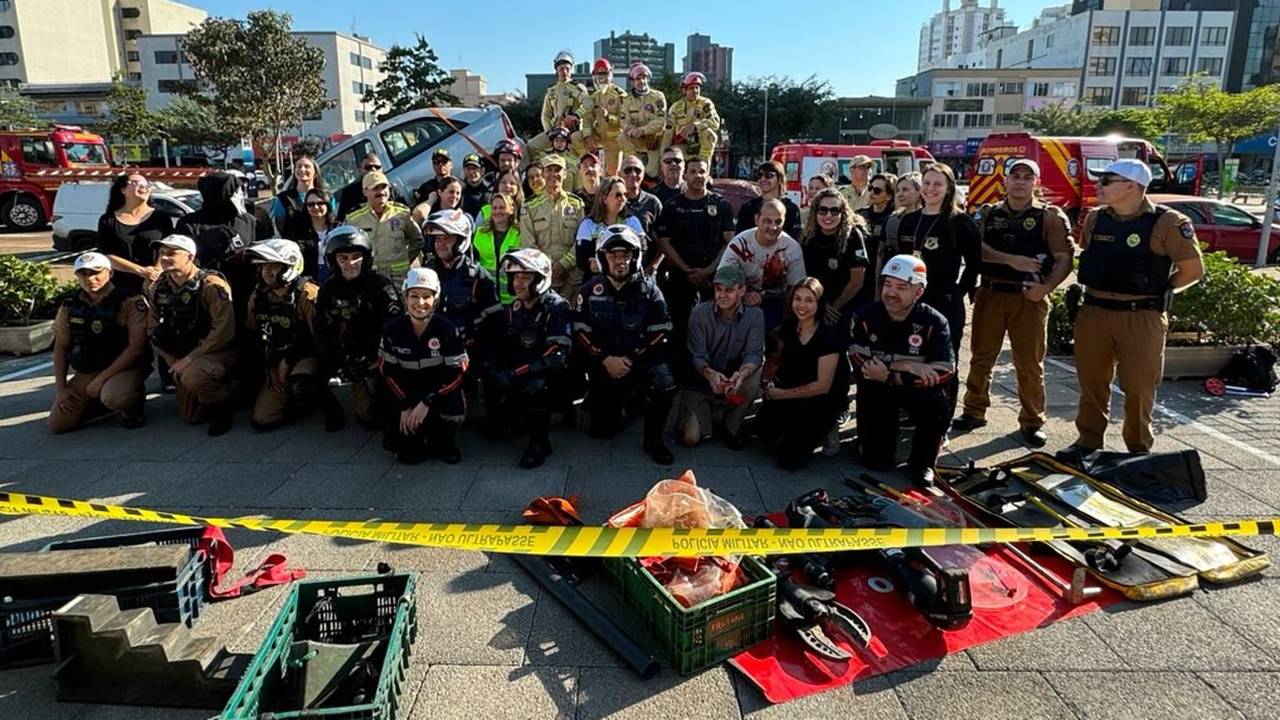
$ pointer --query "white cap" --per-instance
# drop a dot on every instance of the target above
(92, 261)
(1130, 169)
(1027, 163)
(180, 242)
(907, 268)
(421, 277)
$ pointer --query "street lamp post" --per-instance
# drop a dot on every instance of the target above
(764, 142)
(1268, 215)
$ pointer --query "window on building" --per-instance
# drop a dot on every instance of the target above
(1209, 65)
(1177, 36)
(176, 87)
(1031, 49)
(1138, 66)
(946, 89)
(1213, 36)
(962, 105)
(1097, 95)
(362, 116)
(1142, 36)
(1064, 88)
(977, 120)
(1133, 96)
(946, 120)
(1102, 66)
(357, 87)
(1040, 89)
(8, 58)
(6, 32)
(1174, 66)
(1048, 40)
(980, 89)
(132, 56)
(135, 76)
(5, 5)
(1011, 88)
(132, 34)
(130, 13)
(1009, 119)
(166, 57)
(366, 63)
(89, 108)
(1106, 35)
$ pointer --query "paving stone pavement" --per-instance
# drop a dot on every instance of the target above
(495, 646)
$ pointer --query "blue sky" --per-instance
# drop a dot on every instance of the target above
(860, 51)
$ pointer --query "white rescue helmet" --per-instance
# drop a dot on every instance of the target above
(907, 268)
(278, 250)
(530, 260)
(453, 222)
(421, 277)
(619, 237)
(564, 56)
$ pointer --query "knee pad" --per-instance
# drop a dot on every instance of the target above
(661, 380)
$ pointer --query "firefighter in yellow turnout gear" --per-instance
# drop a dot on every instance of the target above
(693, 123)
(644, 118)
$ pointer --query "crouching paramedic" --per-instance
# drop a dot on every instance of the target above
(281, 318)
(354, 305)
(423, 363)
(469, 297)
(903, 360)
(193, 328)
(101, 333)
(528, 368)
(622, 325)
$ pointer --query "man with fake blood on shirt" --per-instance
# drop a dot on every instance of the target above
(902, 359)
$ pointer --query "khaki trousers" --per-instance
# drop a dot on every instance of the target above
(124, 393)
(1124, 343)
(1027, 324)
(209, 381)
(271, 406)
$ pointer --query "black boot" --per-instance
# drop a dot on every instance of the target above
(447, 443)
(655, 420)
(220, 418)
(539, 440)
(335, 418)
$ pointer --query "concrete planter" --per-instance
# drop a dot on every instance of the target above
(1195, 361)
(26, 339)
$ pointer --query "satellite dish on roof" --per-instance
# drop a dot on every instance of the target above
(883, 131)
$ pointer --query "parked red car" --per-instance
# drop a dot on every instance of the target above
(1223, 226)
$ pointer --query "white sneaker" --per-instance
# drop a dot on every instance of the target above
(831, 446)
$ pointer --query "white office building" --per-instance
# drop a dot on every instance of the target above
(956, 32)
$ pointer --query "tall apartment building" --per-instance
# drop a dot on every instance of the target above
(714, 61)
(628, 48)
(1123, 58)
(967, 104)
(67, 42)
(954, 32)
(350, 67)
(1255, 45)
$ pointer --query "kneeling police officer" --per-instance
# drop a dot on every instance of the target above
(423, 364)
(528, 368)
(101, 333)
(354, 305)
(280, 320)
(622, 326)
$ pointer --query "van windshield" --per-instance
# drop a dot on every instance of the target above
(86, 153)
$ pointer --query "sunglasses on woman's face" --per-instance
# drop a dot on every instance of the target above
(140, 184)
(876, 190)
(828, 210)
(371, 167)
(316, 204)
(767, 174)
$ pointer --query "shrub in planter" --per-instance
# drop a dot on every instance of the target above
(1231, 305)
(28, 291)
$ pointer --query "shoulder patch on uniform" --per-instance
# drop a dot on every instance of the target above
(223, 293)
(1187, 230)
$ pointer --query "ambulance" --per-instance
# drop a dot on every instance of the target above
(1069, 168)
(802, 161)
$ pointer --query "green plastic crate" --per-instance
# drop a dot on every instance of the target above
(380, 604)
(695, 638)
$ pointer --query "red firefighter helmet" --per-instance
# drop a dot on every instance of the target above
(638, 70)
(602, 65)
(693, 78)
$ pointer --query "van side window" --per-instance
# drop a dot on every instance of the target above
(38, 151)
(413, 137)
(1095, 166)
(343, 169)
(793, 172)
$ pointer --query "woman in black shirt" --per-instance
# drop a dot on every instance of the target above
(835, 253)
(810, 387)
(948, 241)
(310, 236)
(881, 190)
(128, 228)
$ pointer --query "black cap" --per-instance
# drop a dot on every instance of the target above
(440, 152)
(472, 159)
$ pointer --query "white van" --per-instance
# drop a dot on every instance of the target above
(78, 205)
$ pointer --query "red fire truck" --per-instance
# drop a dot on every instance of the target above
(34, 163)
(802, 161)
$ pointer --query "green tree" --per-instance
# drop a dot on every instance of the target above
(191, 120)
(1200, 111)
(669, 84)
(18, 112)
(796, 109)
(412, 80)
(526, 116)
(1054, 119)
(130, 117)
(1147, 123)
(260, 78)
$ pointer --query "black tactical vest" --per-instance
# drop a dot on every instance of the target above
(1119, 258)
(183, 318)
(280, 328)
(97, 338)
(1020, 234)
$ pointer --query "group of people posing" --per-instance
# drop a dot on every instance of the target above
(532, 297)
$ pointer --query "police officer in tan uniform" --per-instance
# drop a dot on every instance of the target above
(856, 193)
(562, 106)
(1136, 255)
(549, 222)
(101, 334)
(644, 116)
(192, 324)
(602, 120)
(395, 239)
(1025, 255)
(693, 120)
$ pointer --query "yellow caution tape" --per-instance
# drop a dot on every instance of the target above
(632, 542)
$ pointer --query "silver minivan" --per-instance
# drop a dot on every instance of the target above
(405, 142)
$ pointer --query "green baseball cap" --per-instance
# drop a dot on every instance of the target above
(730, 276)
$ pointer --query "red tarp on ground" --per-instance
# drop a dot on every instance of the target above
(1008, 599)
